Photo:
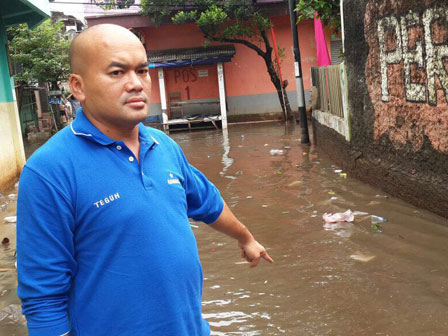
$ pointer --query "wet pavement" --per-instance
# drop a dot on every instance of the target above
(355, 278)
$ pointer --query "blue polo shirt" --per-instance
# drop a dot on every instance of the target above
(104, 244)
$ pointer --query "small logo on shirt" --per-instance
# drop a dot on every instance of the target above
(107, 200)
(173, 180)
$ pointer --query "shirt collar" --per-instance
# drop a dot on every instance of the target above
(82, 127)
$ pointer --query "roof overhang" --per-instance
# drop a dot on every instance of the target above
(171, 58)
(31, 12)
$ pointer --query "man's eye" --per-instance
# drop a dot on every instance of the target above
(143, 71)
(116, 72)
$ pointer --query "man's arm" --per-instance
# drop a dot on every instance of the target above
(45, 254)
(252, 250)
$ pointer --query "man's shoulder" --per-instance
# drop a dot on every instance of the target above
(54, 151)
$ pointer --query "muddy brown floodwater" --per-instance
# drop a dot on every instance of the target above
(343, 279)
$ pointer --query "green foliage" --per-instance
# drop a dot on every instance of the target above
(327, 10)
(229, 19)
(114, 4)
(41, 53)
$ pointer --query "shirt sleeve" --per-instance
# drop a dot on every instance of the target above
(45, 254)
(204, 201)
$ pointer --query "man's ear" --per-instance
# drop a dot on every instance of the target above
(77, 87)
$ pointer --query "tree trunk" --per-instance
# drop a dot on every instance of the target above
(267, 57)
(54, 86)
(283, 98)
(281, 91)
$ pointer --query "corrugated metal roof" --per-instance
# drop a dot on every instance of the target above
(183, 54)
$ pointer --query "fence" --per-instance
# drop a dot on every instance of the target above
(327, 80)
(331, 107)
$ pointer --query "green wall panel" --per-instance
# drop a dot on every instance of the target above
(5, 79)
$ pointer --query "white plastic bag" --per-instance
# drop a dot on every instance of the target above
(338, 217)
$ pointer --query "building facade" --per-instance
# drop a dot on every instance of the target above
(249, 92)
(12, 156)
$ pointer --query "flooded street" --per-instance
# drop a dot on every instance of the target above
(339, 279)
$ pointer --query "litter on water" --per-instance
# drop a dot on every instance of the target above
(276, 151)
(295, 184)
(11, 219)
(362, 257)
(338, 217)
(377, 219)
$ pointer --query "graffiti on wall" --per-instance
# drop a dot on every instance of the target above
(407, 71)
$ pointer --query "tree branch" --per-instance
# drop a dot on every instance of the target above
(266, 42)
(240, 41)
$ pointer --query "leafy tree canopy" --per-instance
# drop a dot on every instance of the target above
(218, 21)
(41, 54)
(327, 10)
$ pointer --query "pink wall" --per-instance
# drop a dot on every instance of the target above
(246, 74)
(197, 82)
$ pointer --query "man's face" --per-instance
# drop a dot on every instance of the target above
(116, 83)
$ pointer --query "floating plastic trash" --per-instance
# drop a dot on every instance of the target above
(376, 220)
(11, 219)
(276, 151)
(360, 213)
(12, 197)
(337, 171)
(338, 217)
(3, 207)
(295, 184)
(343, 175)
(12, 313)
(362, 257)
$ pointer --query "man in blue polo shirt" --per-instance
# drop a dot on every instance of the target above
(104, 245)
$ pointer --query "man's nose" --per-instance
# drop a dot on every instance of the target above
(134, 82)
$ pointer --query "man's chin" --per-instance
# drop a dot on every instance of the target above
(137, 113)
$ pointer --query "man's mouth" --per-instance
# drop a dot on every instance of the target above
(136, 102)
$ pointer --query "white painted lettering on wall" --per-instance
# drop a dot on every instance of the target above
(436, 53)
(107, 200)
